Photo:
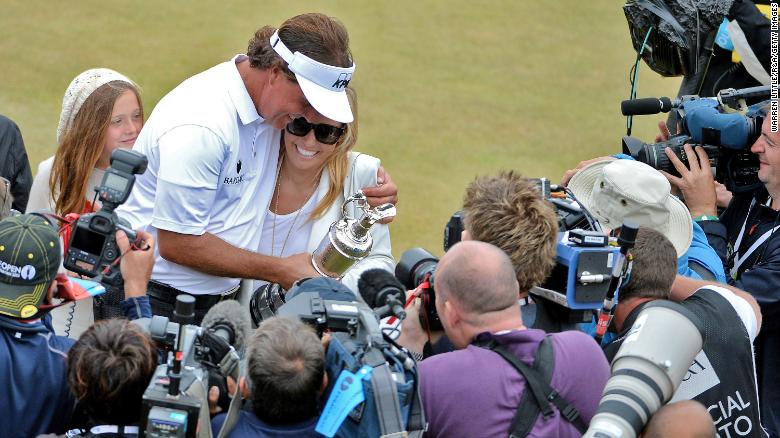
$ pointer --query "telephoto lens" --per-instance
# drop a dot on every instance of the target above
(647, 369)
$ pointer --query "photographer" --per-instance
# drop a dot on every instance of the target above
(35, 395)
(682, 419)
(722, 373)
(507, 211)
(745, 240)
(477, 392)
(109, 368)
(285, 378)
(632, 190)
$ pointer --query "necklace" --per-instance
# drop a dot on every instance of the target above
(276, 207)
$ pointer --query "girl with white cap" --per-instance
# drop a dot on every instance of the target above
(101, 111)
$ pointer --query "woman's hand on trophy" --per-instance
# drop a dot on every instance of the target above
(383, 193)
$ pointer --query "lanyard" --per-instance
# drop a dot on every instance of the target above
(740, 259)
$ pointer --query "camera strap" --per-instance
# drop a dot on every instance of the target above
(538, 393)
(387, 405)
(234, 409)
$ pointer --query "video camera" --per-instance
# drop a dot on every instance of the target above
(577, 285)
(176, 399)
(92, 247)
(360, 352)
(584, 257)
(354, 319)
(724, 126)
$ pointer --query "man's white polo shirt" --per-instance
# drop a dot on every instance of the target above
(212, 162)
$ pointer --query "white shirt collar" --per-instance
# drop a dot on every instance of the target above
(240, 96)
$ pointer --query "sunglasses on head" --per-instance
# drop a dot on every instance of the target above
(324, 133)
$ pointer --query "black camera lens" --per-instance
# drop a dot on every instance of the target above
(415, 263)
(266, 300)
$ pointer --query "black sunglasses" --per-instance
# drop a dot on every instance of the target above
(324, 133)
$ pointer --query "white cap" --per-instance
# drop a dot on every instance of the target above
(621, 190)
(80, 89)
(323, 85)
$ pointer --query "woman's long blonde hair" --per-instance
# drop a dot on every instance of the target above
(81, 145)
(338, 163)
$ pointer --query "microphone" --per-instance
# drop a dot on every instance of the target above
(229, 321)
(383, 293)
(648, 105)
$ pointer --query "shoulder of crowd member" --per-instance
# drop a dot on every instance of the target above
(748, 312)
(761, 281)
(577, 346)
(11, 144)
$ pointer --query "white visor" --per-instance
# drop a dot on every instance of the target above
(323, 85)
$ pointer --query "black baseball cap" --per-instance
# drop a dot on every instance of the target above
(30, 256)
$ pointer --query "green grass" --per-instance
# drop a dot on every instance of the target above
(448, 89)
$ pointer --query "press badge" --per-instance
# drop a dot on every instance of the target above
(347, 393)
(723, 39)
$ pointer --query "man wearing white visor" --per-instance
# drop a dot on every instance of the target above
(213, 148)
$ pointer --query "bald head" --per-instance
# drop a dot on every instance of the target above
(684, 419)
(478, 276)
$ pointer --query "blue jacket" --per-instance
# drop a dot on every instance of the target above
(760, 273)
(34, 393)
(703, 254)
(249, 426)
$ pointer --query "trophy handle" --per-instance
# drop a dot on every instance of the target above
(358, 198)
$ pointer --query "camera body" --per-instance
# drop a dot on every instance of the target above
(163, 415)
(206, 358)
(577, 284)
(581, 276)
(92, 246)
(724, 126)
(166, 416)
(353, 318)
(358, 344)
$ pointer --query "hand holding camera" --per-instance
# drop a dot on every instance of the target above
(92, 249)
(137, 261)
(695, 181)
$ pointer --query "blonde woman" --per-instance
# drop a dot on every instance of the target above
(317, 171)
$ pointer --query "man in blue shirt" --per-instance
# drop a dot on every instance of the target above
(34, 395)
(286, 376)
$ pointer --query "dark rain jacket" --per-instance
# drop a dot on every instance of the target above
(759, 275)
(14, 165)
